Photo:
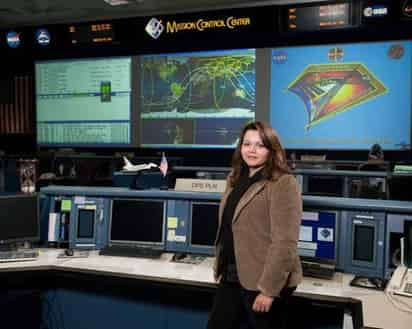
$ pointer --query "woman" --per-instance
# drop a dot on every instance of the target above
(257, 265)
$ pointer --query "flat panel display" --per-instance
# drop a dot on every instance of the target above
(408, 242)
(204, 224)
(85, 225)
(317, 236)
(137, 222)
(197, 99)
(84, 102)
(364, 241)
(342, 96)
(19, 219)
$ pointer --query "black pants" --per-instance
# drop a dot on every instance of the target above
(232, 309)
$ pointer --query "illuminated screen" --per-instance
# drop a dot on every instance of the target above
(136, 222)
(346, 96)
(199, 99)
(317, 235)
(84, 102)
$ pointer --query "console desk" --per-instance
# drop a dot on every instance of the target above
(365, 307)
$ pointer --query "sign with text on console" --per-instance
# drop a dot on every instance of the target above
(200, 185)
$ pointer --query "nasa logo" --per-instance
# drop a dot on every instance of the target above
(375, 11)
(13, 39)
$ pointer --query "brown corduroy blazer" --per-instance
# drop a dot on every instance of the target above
(265, 228)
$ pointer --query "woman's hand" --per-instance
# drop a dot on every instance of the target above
(262, 303)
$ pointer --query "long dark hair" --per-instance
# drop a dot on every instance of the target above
(276, 163)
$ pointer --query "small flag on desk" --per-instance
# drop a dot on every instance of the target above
(163, 165)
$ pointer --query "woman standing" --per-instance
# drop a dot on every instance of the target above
(257, 265)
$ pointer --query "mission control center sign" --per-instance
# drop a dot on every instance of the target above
(156, 27)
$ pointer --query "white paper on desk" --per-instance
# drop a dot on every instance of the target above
(310, 215)
(171, 235)
(180, 238)
(305, 233)
(307, 245)
(52, 227)
(325, 234)
(79, 199)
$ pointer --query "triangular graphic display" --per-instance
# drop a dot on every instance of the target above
(330, 89)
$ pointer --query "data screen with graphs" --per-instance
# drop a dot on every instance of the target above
(84, 102)
(199, 99)
(344, 96)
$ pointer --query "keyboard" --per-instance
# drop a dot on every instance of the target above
(128, 251)
(19, 255)
(318, 270)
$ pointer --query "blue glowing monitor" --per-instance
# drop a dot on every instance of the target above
(317, 237)
(197, 99)
(343, 96)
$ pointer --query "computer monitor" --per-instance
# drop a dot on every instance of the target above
(84, 102)
(362, 239)
(365, 86)
(408, 242)
(89, 223)
(137, 223)
(203, 227)
(19, 219)
(85, 223)
(196, 99)
(317, 236)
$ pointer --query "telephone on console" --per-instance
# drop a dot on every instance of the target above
(401, 282)
(369, 283)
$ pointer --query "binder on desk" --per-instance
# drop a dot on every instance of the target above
(53, 228)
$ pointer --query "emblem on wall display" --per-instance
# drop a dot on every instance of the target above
(13, 39)
(154, 28)
(42, 37)
(330, 89)
(378, 10)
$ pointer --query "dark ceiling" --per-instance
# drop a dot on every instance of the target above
(36, 12)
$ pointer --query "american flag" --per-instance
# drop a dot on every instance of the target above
(163, 165)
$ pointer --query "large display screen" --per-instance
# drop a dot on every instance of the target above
(345, 96)
(84, 102)
(198, 99)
